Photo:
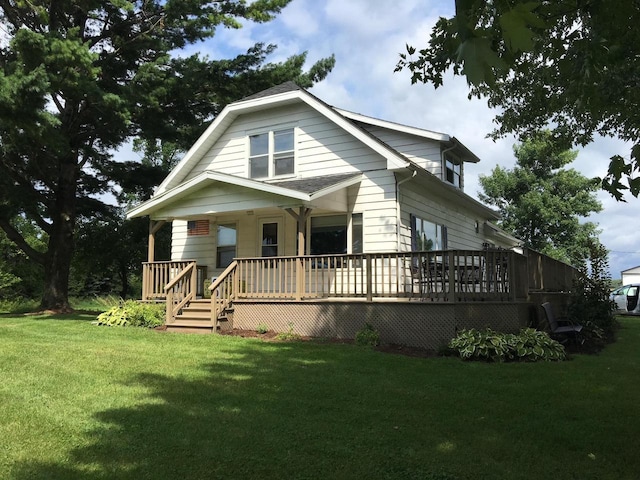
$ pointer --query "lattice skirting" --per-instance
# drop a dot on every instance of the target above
(424, 325)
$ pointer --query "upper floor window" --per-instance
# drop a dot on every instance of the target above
(271, 154)
(453, 170)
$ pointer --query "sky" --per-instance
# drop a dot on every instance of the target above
(366, 37)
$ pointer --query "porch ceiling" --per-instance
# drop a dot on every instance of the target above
(214, 193)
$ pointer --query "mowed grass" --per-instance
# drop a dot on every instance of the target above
(86, 402)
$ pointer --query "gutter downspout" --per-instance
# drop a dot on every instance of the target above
(398, 212)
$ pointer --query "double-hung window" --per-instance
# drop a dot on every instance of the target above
(271, 154)
(453, 170)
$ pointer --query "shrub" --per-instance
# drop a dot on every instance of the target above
(289, 335)
(262, 328)
(133, 313)
(368, 336)
(590, 305)
(528, 346)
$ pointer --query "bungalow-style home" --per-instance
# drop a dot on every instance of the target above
(306, 216)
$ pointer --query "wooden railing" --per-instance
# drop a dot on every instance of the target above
(155, 275)
(223, 291)
(445, 276)
(452, 275)
(180, 291)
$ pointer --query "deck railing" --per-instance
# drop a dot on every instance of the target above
(452, 275)
(180, 291)
(155, 275)
(435, 276)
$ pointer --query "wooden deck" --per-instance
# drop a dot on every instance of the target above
(436, 276)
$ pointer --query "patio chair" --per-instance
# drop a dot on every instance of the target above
(562, 326)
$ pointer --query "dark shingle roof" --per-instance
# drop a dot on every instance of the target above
(282, 88)
(314, 184)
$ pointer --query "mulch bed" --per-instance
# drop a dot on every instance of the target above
(272, 336)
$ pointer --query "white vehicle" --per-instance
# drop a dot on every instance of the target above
(626, 299)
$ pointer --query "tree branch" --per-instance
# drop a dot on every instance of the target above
(21, 243)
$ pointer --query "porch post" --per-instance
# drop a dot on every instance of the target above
(147, 278)
(301, 219)
(153, 229)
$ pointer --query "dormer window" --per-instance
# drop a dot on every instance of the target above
(271, 154)
(453, 170)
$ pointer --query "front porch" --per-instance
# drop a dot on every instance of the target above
(486, 279)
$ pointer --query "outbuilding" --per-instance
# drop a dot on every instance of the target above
(631, 275)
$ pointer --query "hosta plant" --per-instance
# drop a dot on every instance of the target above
(527, 346)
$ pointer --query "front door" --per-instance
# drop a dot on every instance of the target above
(270, 241)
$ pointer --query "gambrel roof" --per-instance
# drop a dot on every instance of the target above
(176, 185)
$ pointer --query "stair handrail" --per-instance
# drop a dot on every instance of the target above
(188, 290)
(223, 291)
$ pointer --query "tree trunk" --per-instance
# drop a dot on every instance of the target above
(60, 249)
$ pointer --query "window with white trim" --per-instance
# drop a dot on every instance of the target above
(427, 236)
(272, 154)
(226, 241)
(452, 170)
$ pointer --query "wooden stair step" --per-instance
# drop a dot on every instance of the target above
(196, 314)
(190, 326)
(187, 322)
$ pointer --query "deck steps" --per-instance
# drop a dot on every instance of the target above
(196, 318)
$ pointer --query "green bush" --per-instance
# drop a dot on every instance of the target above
(288, 335)
(262, 328)
(368, 336)
(528, 346)
(590, 305)
(133, 313)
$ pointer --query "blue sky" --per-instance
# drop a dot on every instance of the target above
(366, 37)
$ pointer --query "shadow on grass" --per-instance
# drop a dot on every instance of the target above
(253, 414)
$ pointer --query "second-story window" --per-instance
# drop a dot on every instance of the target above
(453, 170)
(271, 154)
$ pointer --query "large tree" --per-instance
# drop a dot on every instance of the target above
(542, 202)
(570, 64)
(78, 78)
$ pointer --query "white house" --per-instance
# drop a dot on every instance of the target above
(283, 175)
(363, 180)
(631, 275)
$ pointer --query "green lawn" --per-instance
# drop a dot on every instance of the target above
(86, 402)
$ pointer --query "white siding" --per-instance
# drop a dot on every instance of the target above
(422, 151)
(461, 232)
(375, 198)
(202, 248)
(321, 146)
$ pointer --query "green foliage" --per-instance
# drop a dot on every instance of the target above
(529, 345)
(590, 304)
(368, 336)
(288, 335)
(564, 63)
(78, 80)
(262, 328)
(543, 203)
(133, 313)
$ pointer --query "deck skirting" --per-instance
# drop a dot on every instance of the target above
(415, 324)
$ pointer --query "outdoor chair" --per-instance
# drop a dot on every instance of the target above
(562, 326)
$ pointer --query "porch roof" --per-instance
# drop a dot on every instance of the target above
(299, 191)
